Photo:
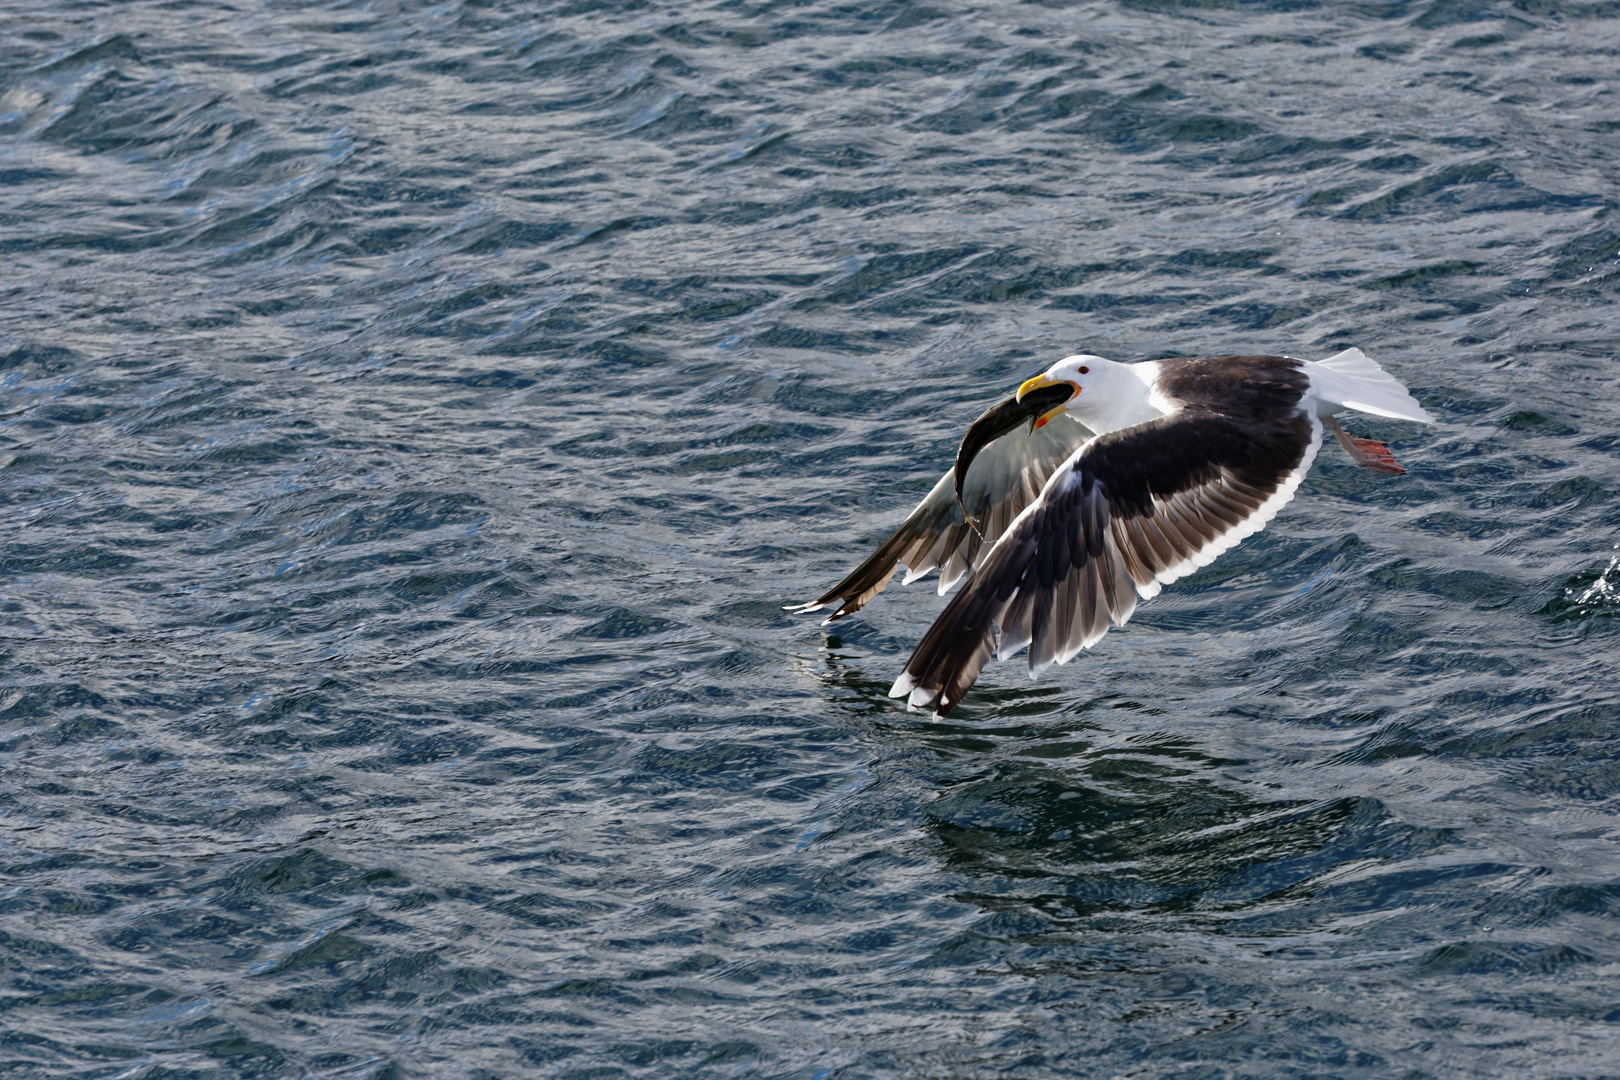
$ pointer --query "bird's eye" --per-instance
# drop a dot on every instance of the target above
(1085, 371)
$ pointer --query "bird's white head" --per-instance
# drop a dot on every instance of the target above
(1107, 396)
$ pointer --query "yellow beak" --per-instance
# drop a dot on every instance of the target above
(1037, 383)
(1034, 384)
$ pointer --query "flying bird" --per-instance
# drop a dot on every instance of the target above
(1098, 483)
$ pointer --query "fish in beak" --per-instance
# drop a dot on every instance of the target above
(1036, 402)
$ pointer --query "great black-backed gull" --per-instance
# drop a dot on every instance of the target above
(1167, 464)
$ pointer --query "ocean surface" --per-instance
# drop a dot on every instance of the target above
(414, 418)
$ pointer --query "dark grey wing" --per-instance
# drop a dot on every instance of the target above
(1005, 477)
(1131, 512)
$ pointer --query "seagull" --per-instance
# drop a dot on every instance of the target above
(1097, 484)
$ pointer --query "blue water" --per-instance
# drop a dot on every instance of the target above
(414, 417)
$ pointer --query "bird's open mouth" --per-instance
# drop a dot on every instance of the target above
(1034, 407)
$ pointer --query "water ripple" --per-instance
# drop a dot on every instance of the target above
(415, 417)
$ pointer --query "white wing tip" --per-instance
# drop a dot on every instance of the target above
(902, 686)
(920, 697)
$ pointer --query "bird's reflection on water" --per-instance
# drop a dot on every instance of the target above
(1049, 806)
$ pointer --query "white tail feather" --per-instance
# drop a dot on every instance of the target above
(1349, 380)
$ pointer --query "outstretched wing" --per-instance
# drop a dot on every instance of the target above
(1131, 512)
(1004, 479)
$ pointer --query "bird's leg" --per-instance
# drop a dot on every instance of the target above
(1368, 453)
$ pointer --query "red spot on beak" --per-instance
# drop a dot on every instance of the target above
(1041, 422)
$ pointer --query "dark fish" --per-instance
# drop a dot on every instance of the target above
(998, 421)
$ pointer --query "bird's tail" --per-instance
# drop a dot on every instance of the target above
(1352, 380)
